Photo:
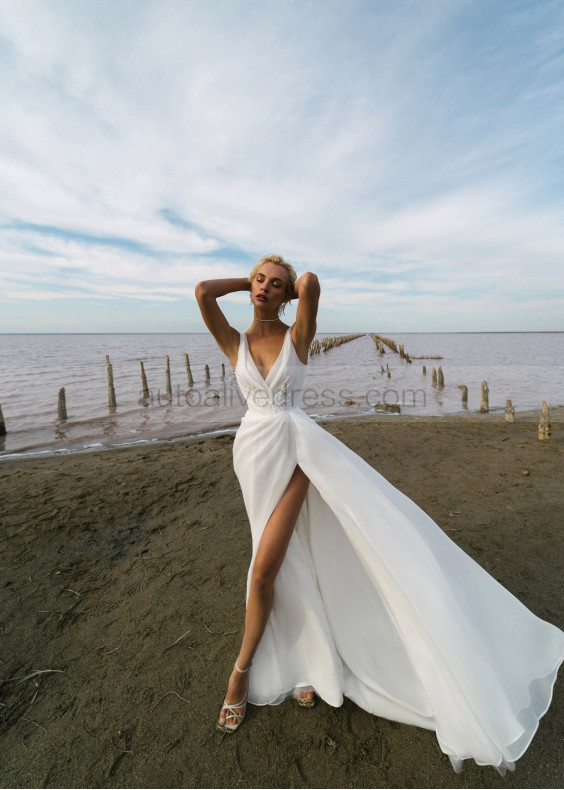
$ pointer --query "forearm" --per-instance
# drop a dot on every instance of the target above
(216, 288)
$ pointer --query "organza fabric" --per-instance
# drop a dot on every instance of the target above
(373, 601)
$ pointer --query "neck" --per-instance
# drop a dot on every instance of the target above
(266, 320)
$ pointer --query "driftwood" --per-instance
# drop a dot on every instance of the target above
(509, 411)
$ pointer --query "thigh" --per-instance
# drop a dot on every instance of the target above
(278, 531)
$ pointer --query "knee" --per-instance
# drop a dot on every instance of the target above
(262, 581)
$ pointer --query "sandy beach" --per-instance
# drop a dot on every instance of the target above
(122, 591)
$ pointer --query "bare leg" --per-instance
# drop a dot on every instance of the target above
(270, 555)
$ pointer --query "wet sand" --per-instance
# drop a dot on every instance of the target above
(122, 587)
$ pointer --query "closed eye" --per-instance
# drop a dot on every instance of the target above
(275, 283)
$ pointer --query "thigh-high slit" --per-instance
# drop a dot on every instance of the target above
(373, 601)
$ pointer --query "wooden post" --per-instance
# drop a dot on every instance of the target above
(111, 391)
(441, 378)
(222, 371)
(2, 423)
(544, 425)
(433, 377)
(424, 370)
(207, 369)
(167, 372)
(509, 411)
(315, 348)
(484, 399)
(464, 389)
(188, 371)
(62, 405)
(144, 382)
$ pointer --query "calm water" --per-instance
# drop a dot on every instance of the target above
(526, 367)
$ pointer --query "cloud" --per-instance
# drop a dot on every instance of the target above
(150, 144)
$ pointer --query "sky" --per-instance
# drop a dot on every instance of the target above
(408, 152)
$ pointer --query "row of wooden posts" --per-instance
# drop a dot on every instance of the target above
(386, 341)
(112, 401)
(328, 343)
(437, 380)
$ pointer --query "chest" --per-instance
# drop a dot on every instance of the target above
(264, 352)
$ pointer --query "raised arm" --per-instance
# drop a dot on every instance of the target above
(207, 294)
(307, 291)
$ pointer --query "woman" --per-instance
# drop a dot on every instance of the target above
(353, 590)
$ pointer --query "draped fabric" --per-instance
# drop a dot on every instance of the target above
(373, 601)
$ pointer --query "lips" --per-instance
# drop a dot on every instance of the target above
(261, 298)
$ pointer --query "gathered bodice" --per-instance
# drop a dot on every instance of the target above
(279, 391)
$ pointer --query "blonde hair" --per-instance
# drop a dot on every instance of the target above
(279, 261)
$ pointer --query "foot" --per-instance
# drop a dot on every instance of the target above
(306, 699)
(235, 703)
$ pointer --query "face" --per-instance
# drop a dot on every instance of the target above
(268, 289)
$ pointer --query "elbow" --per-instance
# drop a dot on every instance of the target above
(200, 290)
(310, 281)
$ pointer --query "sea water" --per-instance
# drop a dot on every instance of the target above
(351, 379)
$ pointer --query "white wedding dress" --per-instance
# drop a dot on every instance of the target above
(373, 601)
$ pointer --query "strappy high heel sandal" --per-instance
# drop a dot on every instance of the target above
(303, 700)
(231, 714)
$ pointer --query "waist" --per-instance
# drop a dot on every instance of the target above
(269, 411)
(282, 400)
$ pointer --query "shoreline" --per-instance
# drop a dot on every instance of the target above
(124, 578)
(495, 414)
(347, 381)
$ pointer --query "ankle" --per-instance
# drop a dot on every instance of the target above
(242, 671)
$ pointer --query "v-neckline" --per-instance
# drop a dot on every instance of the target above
(274, 364)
